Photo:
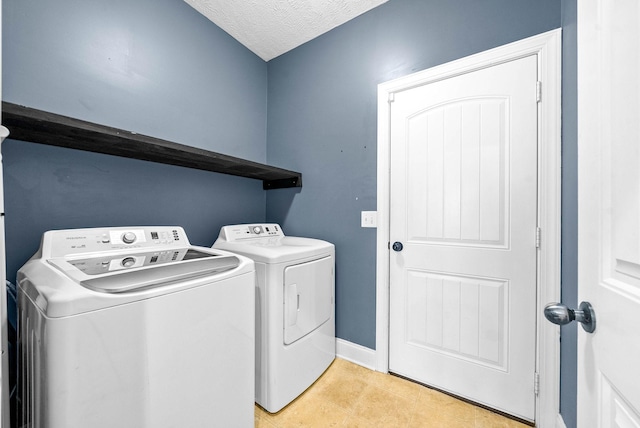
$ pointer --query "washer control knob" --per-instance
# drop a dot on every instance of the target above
(257, 230)
(129, 237)
(128, 262)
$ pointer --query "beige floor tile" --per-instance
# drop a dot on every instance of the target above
(345, 368)
(488, 419)
(439, 422)
(311, 412)
(331, 375)
(380, 406)
(343, 393)
(516, 424)
(264, 423)
(434, 409)
(354, 421)
(396, 385)
(351, 396)
(261, 419)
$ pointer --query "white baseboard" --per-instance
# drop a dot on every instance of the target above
(355, 353)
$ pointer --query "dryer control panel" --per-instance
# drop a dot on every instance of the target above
(61, 243)
(239, 232)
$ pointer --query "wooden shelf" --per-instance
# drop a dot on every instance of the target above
(37, 126)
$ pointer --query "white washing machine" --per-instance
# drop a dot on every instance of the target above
(295, 323)
(134, 327)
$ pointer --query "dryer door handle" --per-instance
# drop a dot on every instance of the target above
(292, 304)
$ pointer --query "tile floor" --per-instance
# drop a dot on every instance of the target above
(348, 395)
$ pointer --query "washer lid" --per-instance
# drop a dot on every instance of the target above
(277, 249)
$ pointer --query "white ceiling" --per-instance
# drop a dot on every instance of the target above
(270, 28)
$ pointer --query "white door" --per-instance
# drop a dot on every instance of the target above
(464, 207)
(609, 211)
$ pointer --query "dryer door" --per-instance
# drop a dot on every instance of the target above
(308, 297)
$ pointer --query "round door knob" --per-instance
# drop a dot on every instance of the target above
(129, 237)
(397, 246)
(560, 314)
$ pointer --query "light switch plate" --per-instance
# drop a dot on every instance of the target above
(369, 219)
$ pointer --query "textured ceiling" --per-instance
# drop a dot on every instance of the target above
(270, 28)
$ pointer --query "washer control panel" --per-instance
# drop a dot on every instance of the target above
(99, 264)
(60, 243)
(250, 231)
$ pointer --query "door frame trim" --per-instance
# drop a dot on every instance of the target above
(547, 46)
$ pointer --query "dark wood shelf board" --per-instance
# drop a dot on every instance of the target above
(37, 126)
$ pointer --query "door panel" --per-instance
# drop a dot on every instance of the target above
(464, 205)
(609, 211)
(458, 197)
(436, 319)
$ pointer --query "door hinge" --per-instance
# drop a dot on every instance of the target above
(392, 97)
(538, 237)
(536, 383)
(538, 91)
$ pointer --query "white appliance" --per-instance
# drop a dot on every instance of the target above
(134, 327)
(295, 323)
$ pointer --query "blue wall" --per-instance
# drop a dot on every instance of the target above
(159, 68)
(322, 109)
(569, 332)
(156, 67)
(56, 188)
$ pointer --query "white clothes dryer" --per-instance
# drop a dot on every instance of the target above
(134, 327)
(295, 323)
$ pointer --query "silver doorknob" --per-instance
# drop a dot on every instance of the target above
(560, 314)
